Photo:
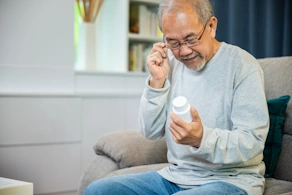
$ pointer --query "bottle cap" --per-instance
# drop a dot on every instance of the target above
(180, 104)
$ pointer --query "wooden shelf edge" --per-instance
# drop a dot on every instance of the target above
(143, 38)
(146, 2)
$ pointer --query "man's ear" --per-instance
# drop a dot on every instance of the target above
(213, 26)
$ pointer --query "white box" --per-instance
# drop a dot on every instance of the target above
(15, 187)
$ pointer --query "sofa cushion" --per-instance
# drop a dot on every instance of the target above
(138, 169)
(275, 187)
(273, 143)
(140, 152)
(284, 166)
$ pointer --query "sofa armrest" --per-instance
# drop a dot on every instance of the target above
(96, 169)
(275, 186)
(131, 148)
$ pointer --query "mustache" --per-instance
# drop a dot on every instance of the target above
(193, 55)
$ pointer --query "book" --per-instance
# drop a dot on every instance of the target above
(139, 57)
(131, 58)
(146, 51)
(158, 31)
(144, 20)
(138, 53)
(134, 18)
(153, 23)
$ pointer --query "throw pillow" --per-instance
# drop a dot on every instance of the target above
(273, 143)
(131, 148)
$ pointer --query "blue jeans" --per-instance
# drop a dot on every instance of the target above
(151, 183)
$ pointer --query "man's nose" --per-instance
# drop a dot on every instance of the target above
(185, 50)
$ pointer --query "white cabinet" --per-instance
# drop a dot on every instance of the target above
(48, 139)
(113, 37)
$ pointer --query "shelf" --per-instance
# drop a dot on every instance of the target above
(141, 38)
(146, 2)
(111, 74)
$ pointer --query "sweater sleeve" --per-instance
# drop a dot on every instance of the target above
(250, 119)
(152, 112)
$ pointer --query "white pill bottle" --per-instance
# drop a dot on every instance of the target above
(181, 108)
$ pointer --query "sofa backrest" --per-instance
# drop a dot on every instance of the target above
(278, 82)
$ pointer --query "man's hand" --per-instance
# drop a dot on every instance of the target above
(187, 133)
(158, 65)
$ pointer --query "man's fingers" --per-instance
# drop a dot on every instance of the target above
(175, 135)
(195, 115)
(178, 121)
(161, 48)
(155, 59)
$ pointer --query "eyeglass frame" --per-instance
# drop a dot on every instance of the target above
(180, 43)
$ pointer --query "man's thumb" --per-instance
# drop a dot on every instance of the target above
(195, 115)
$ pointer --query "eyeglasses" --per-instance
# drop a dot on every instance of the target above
(190, 42)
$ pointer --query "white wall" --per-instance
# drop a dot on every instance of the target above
(50, 115)
(36, 45)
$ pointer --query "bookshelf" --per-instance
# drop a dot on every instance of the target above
(114, 40)
(142, 33)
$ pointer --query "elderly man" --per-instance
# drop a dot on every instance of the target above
(221, 150)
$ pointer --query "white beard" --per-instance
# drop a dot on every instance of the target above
(198, 67)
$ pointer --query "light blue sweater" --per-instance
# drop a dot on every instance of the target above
(229, 97)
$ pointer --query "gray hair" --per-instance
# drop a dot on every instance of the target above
(203, 8)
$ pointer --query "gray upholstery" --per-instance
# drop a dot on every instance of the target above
(278, 82)
(129, 152)
(96, 169)
(138, 169)
(274, 186)
(284, 166)
(133, 154)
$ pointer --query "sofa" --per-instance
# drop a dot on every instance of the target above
(124, 152)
